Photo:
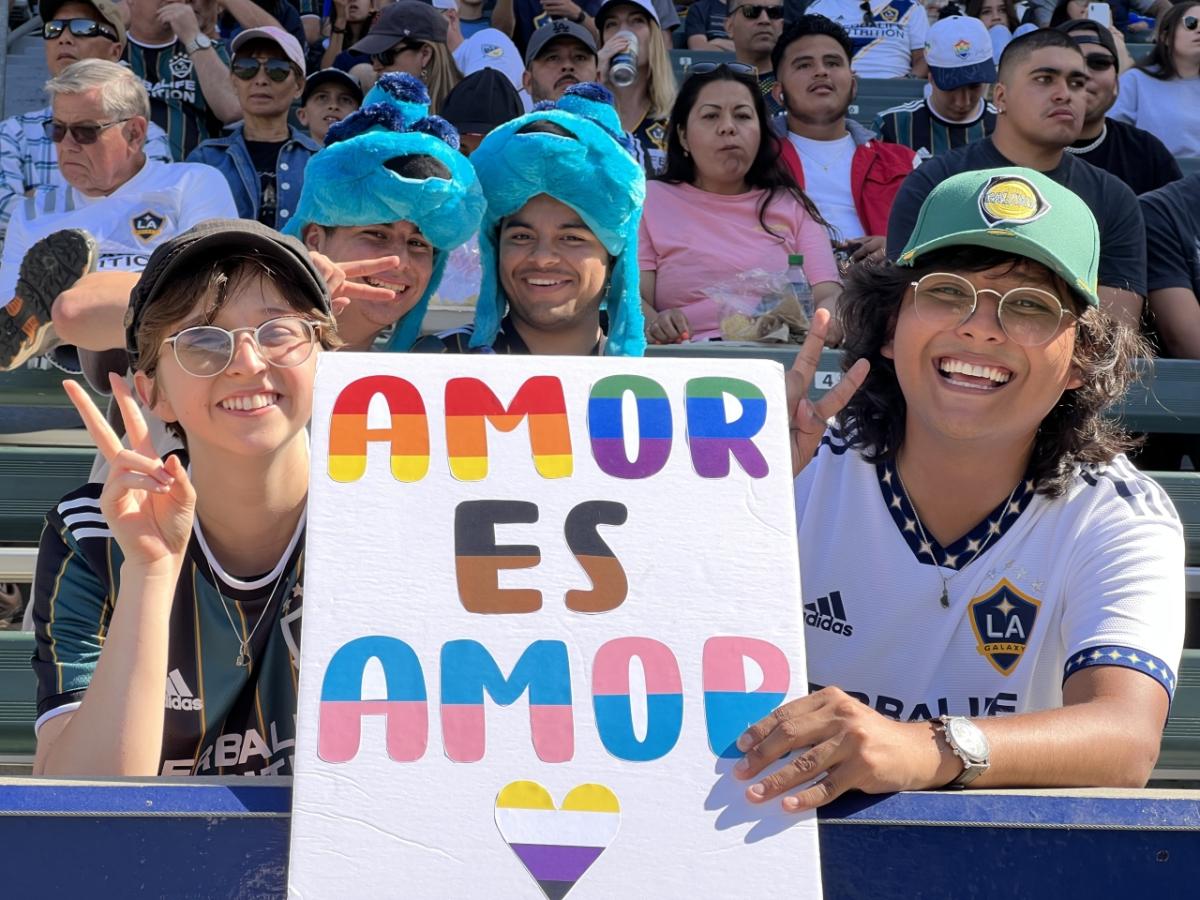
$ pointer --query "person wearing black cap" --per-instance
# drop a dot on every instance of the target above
(410, 36)
(560, 53)
(1135, 156)
(186, 572)
(329, 96)
(479, 103)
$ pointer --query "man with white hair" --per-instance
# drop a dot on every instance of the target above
(71, 30)
(116, 208)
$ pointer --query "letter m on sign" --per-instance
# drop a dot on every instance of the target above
(471, 405)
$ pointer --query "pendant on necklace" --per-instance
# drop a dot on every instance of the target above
(945, 597)
(243, 658)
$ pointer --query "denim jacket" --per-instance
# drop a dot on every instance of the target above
(229, 155)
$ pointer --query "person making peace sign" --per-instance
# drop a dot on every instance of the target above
(167, 600)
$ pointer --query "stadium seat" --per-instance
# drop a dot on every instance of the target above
(17, 692)
(877, 94)
(681, 60)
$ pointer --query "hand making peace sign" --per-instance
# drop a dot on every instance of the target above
(808, 419)
(149, 506)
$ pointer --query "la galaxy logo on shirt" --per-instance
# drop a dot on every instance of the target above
(148, 226)
(1003, 620)
(181, 66)
(1007, 199)
(889, 14)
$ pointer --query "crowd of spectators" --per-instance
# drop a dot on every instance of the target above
(390, 142)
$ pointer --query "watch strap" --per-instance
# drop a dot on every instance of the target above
(199, 42)
(972, 768)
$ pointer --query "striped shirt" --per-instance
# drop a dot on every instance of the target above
(177, 103)
(29, 159)
(219, 718)
(916, 126)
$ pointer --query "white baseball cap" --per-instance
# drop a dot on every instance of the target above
(959, 51)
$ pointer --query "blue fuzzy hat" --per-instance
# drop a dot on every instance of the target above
(594, 174)
(348, 183)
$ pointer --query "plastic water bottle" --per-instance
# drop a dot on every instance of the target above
(624, 67)
(799, 283)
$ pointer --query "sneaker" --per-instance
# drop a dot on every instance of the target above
(50, 266)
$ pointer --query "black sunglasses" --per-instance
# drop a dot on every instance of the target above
(83, 134)
(705, 68)
(1100, 62)
(246, 68)
(81, 28)
(387, 57)
(1191, 23)
(753, 11)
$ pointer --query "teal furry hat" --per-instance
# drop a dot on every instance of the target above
(594, 174)
(349, 183)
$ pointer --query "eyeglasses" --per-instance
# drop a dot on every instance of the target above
(1029, 316)
(753, 11)
(387, 57)
(82, 134)
(705, 68)
(206, 351)
(1191, 23)
(81, 28)
(1099, 62)
(246, 68)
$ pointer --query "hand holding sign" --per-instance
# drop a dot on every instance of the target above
(148, 505)
(807, 418)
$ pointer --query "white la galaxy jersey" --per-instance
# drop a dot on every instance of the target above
(158, 203)
(1042, 588)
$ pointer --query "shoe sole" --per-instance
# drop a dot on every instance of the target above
(51, 266)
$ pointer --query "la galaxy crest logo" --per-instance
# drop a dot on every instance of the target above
(1011, 200)
(889, 14)
(148, 226)
(1003, 620)
(181, 66)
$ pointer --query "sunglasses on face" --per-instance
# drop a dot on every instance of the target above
(278, 70)
(80, 28)
(387, 57)
(736, 67)
(753, 11)
(82, 134)
(206, 351)
(1100, 62)
(1191, 23)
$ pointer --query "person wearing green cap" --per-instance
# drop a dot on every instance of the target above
(993, 595)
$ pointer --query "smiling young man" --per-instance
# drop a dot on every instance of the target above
(72, 30)
(1040, 101)
(1021, 619)
(263, 158)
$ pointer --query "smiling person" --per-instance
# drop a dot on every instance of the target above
(263, 158)
(186, 573)
(1041, 98)
(72, 31)
(329, 96)
(725, 205)
(383, 205)
(1039, 572)
(117, 207)
(559, 239)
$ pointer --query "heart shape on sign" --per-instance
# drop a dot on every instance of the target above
(557, 844)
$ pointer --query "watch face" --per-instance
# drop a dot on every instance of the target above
(969, 738)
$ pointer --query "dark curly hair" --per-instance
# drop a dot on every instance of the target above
(1075, 431)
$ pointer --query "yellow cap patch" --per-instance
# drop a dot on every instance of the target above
(1011, 200)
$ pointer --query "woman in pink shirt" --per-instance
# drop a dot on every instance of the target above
(726, 204)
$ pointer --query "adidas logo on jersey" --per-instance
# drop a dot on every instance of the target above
(828, 614)
(179, 695)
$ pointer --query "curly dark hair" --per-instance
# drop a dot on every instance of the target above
(767, 170)
(1075, 431)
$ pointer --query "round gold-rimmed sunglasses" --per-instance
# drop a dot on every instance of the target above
(1029, 316)
(206, 351)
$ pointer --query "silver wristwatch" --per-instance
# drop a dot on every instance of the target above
(199, 42)
(968, 742)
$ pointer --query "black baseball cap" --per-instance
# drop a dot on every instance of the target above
(554, 29)
(212, 239)
(482, 101)
(1099, 34)
(337, 76)
(407, 20)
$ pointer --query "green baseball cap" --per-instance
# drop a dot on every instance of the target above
(1017, 211)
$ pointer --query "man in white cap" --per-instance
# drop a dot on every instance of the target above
(953, 111)
(263, 157)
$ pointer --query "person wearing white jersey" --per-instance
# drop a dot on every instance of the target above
(888, 35)
(993, 595)
(117, 207)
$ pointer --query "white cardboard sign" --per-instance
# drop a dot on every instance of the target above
(543, 598)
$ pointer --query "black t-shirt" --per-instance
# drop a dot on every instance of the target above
(1172, 218)
(706, 18)
(1122, 233)
(528, 17)
(265, 156)
(1135, 156)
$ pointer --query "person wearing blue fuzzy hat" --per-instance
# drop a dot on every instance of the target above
(559, 238)
(385, 202)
